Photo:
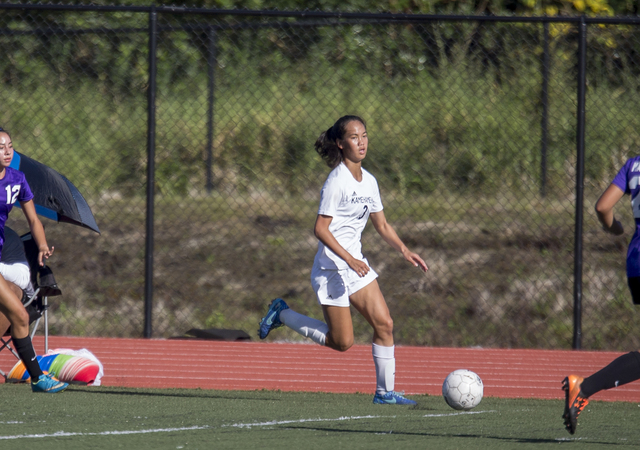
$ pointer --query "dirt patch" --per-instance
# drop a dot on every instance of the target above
(506, 288)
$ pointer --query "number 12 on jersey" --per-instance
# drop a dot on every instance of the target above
(12, 193)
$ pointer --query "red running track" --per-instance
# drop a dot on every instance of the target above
(223, 365)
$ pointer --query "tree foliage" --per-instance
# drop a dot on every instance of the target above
(495, 7)
(258, 59)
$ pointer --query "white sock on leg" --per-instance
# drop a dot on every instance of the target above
(385, 362)
(314, 329)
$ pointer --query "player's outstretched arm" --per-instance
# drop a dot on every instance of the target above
(604, 210)
(390, 236)
(37, 230)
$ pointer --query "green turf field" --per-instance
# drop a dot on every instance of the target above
(108, 418)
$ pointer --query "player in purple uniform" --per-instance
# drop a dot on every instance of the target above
(14, 188)
(625, 368)
(341, 275)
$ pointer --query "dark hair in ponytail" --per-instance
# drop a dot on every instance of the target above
(326, 145)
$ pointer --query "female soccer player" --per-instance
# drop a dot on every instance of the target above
(341, 275)
(626, 368)
(14, 187)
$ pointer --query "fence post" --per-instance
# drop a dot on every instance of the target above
(545, 110)
(151, 145)
(577, 277)
(211, 64)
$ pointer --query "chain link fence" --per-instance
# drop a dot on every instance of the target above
(472, 128)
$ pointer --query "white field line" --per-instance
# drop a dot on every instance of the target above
(102, 433)
(207, 427)
(286, 422)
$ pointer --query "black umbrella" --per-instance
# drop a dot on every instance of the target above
(54, 196)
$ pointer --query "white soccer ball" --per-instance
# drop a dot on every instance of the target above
(462, 389)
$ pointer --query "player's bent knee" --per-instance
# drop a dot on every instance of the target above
(342, 345)
(21, 318)
(385, 327)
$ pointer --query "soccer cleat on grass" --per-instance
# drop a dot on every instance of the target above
(272, 319)
(392, 398)
(49, 384)
(574, 403)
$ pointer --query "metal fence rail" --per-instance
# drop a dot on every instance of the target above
(191, 134)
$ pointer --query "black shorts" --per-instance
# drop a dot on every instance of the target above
(634, 287)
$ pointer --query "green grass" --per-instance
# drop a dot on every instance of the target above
(107, 418)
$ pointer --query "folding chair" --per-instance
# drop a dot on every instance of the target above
(45, 286)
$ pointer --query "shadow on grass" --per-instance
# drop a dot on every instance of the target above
(463, 436)
(194, 393)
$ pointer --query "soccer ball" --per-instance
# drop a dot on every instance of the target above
(462, 389)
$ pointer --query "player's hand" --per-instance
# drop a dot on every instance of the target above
(616, 228)
(359, 267)
(414, 259)
(44, 253)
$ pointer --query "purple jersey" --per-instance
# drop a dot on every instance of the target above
(628, 179)
(13, 187)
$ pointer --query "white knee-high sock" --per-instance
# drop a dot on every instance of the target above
(385, 361)
(314, 329)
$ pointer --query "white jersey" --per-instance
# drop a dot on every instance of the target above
(349, 203)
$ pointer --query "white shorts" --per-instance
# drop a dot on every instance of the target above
(19, 275)
(334, 287)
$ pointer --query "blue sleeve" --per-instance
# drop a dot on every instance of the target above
(621, 178)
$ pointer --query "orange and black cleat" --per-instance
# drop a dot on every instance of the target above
(574, 403)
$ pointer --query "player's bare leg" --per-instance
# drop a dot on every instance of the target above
(4, 322)
(370, 302)
(13, 310)
(339, 321)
